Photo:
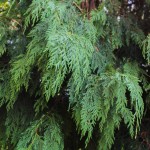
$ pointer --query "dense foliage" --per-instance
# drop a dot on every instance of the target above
(72, 73)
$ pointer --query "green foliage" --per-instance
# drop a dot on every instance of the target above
(43, 133)
(2, 39)
(146, 48)
(55, 48)
(63, 48)
(106, 93)
(15, 126)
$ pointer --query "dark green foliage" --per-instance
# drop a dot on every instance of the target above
(43, 133)
(54, 54)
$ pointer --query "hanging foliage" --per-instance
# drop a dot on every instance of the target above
(66, 63)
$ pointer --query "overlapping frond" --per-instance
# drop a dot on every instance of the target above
(69, 47)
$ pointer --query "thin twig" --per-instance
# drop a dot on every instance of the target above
(78, 6)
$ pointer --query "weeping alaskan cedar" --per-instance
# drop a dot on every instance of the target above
(72, 64)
